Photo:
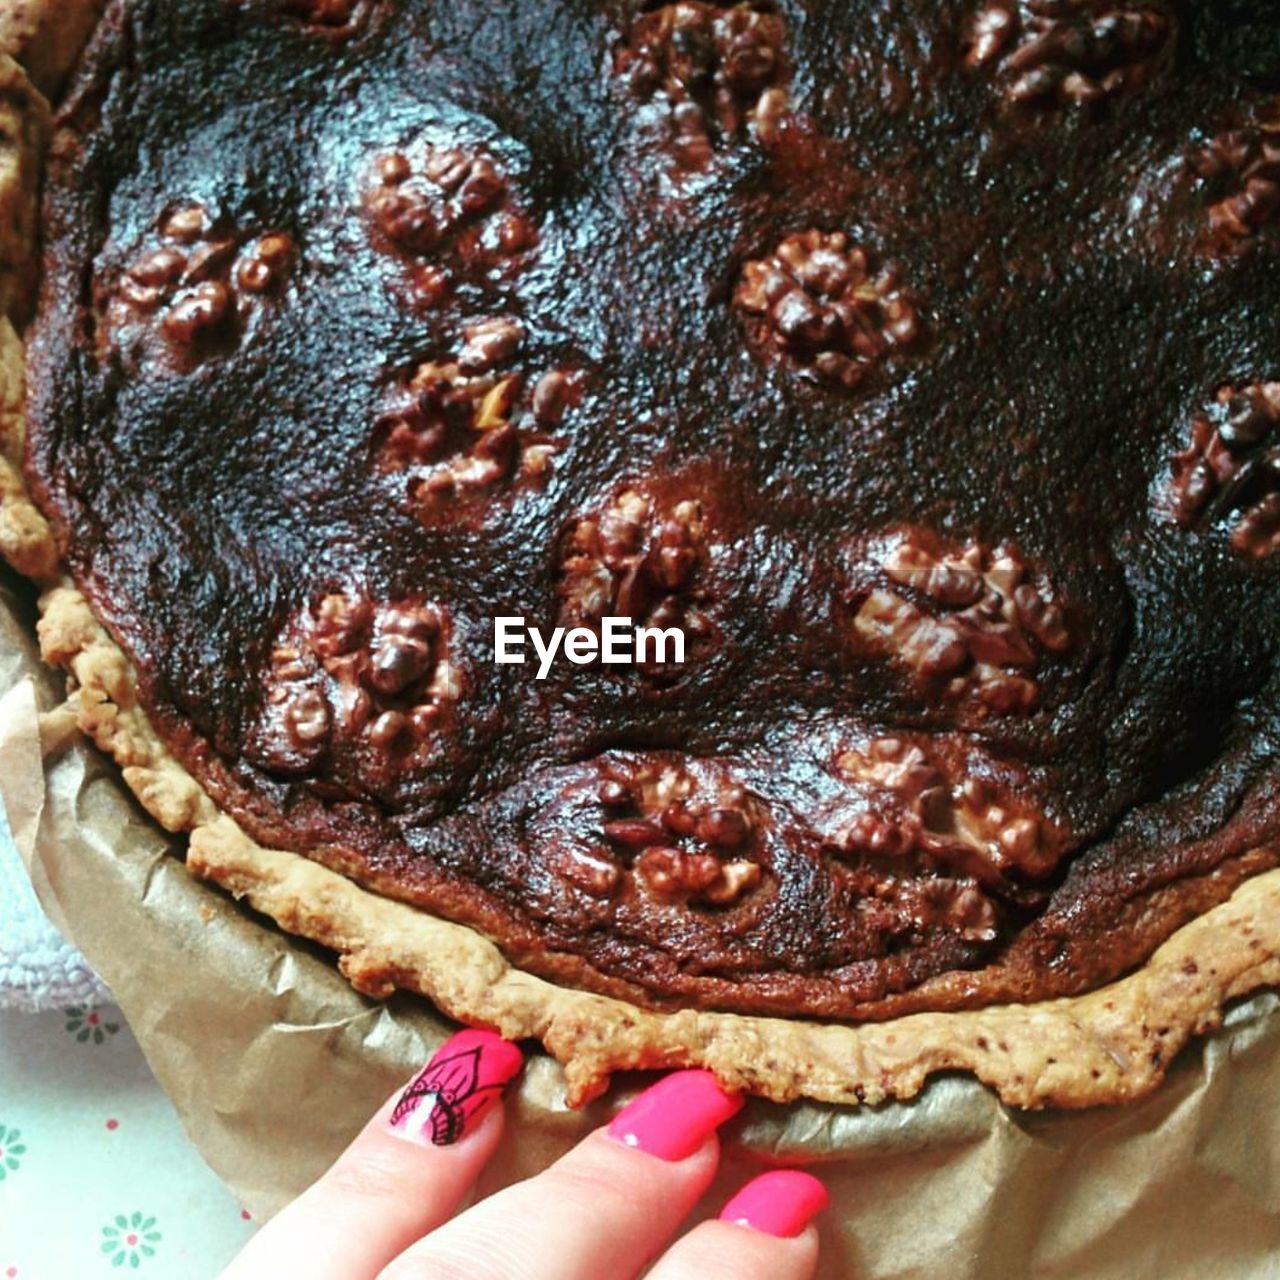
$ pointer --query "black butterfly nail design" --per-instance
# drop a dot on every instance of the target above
(460, 1083)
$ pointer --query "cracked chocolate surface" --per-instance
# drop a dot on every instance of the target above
(366, 322)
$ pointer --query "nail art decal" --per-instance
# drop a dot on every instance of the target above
(462, 1082)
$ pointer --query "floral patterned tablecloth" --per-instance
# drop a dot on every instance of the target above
(96, 1175)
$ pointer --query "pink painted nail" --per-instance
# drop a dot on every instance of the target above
(462, 1082)
(673, 1118)
(780, 1203)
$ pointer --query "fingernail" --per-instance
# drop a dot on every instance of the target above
(780, 1203)
(462, 1082)
(673, 1118)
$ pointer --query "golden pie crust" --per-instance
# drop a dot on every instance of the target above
(1108, 1046)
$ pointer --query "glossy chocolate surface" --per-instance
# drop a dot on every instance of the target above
(922, 360)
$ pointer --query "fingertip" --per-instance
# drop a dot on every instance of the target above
(804, 1248)
(405, 1174)
(697, 1167)
(672, 1118)
(782, 1203)
(464, 1082)
(716, 1248)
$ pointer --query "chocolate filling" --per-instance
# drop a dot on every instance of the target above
(921, 361)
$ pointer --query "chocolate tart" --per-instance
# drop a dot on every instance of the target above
(920, 363)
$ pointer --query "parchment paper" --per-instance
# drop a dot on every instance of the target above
(273, 1062)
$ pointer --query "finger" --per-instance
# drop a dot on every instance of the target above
(406, 1173)
(605, 1209)
(764, 1233)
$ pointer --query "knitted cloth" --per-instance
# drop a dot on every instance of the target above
(39, 969)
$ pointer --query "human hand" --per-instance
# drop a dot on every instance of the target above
(604, 1211)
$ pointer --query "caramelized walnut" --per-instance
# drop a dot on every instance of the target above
(717, 70)
(906, 909)
(640, 557)
(1070, 52)
(295, 727)
(925, 842)
(689, 831)
(350, 674)
(917, 803)
(593, 871)
(451, 210)
(954, 905)
(1232, 467)
(198, 287)
(972, 624)
(1241, 172)
(816, 300)
(463, 429)
(682, 833)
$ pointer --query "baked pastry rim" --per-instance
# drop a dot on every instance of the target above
(1106, 1046)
